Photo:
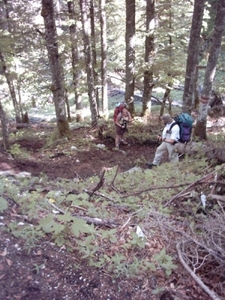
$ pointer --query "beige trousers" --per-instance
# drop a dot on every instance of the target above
(161, 150)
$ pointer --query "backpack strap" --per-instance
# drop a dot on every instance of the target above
(173, 124)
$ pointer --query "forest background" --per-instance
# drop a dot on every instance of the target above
(72, 58)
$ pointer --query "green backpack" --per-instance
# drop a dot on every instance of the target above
(185, 122)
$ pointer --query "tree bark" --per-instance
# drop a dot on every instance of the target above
(75, 54)
(200, 128)
(4, 123)
(6, 71)
(193, 56)
(104, 88)
(94, 53)
(205, 150)
(57, 87)
(130, 53)
(89, 61)
(149, 56)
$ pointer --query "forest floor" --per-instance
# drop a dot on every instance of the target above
(48, 272)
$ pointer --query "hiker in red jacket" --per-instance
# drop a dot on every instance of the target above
(121, 121)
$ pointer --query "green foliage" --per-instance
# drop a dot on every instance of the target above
(58, 214)
(3, 204)
(17, 152)
(31, 234)
(165, 261)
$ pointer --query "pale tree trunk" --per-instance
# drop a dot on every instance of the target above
(57, 14)
(94, 54)
(11, 87)
(4, 123)
(149, 56)
(89, 61)
(130, 53)
(200, 128)
(57, 87)
(104, 86)
(166, 97)
(6, 71)
(75, 54)
(193, 56)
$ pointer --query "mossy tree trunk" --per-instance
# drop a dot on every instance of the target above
(104, 84)
(149, 55)
(200, 128)
(4, 123)
(76, 59)
(57, 86)
(193, 56)
(86, 25)
(130, 53)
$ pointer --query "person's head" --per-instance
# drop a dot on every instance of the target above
(125, 111)
(166, 118)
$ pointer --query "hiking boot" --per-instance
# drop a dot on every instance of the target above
(150, 165)
(122, 142)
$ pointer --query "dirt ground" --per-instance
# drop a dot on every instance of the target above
(48, 272)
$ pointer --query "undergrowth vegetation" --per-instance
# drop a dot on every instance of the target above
(129, 223)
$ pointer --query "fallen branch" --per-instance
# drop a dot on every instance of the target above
(99, 185)
(114, 178)
(211, 293)
(217, 197)
(95, 221)
(189, 186)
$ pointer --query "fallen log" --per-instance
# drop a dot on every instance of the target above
(209, 151)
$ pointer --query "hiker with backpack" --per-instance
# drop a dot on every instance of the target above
(170, 136)
(121, 118)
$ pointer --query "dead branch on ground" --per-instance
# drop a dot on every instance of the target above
(207, 176)
(95, 221)
(211, 293)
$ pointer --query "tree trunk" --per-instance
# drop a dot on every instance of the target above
(193, 56)
(75, 54)
(149, 56)
(209, 151)
(57, 87)
(6, 71)
(11, 87)
(166, 97)
(200, 128)
(104, 87)
(130, 53)
(4, 123)
(89, 61)
(94, 54)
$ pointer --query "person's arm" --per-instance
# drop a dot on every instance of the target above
(170, 141)
(129, 117)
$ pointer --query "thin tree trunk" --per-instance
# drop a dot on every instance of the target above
(6, 70)
(75, 54)
(200, 128)
(89, 61)
(94, 54)
(104, 87)
(149, 56)
(4, 123)
(57, 87)
(193, 56)
(130, 53)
